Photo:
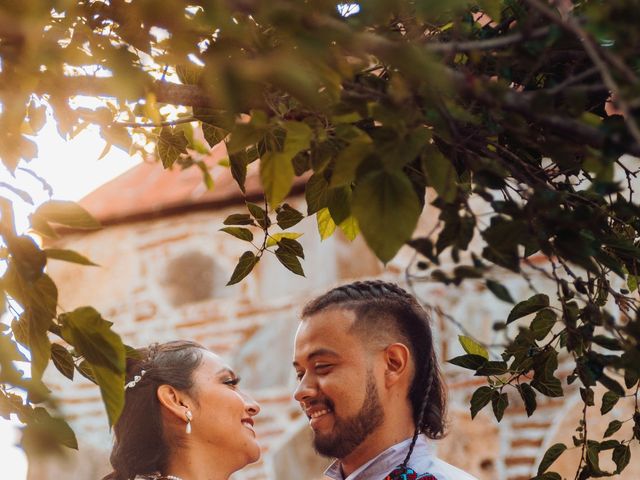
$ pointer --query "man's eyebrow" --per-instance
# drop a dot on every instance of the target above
(318, 353)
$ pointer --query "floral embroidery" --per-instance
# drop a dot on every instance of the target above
(400, 473)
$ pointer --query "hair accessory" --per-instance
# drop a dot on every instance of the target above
(171, 477)
(189, 416)
(135, 380)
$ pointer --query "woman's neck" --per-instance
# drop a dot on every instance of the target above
(193, 463)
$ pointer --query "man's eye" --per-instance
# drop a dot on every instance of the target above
(323, 367)
(299, 375)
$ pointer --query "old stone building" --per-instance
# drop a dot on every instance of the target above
(163, 268)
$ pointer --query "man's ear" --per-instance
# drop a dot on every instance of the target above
(174, 401)
(397, 365)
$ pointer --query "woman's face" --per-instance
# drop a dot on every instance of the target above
(223, 414)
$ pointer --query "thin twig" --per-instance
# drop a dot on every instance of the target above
(488, 44)
(156, 125)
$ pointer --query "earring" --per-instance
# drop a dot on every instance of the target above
(189, 418)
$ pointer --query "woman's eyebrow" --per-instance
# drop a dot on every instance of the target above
(226, 370)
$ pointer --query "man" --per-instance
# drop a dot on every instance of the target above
(370, 385)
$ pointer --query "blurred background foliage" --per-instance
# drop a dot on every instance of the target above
(530, 106)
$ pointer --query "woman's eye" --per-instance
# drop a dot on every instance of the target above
(232, 381)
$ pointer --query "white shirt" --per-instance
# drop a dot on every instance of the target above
(423, 460)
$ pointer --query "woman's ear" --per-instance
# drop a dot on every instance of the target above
(397, 366)
(174, 401)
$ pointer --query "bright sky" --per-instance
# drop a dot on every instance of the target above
(72, 169)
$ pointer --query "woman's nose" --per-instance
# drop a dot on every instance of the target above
(253, 407)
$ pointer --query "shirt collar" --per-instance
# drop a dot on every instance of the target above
(382, 464)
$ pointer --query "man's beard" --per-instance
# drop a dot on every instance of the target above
(348, 433)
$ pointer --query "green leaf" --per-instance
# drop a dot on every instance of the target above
(259, 214)
(543, 323)
(621, 456)
(531, 305)
(62, 360)
(472, 362)
(27, 257)
(287, 216)
(68, 256)
(472, 347)
(480, 398)
(171, 143)
(84, 368)
(499, 403)
(326, 225)
(247, 261)
(276, 174)
(239, 232)
(440, 174)
(42, 431)
(500, 291)
(298, 137)
(609, 400)
(189, 74)
(243, 136)
(316, 193)
(69, 214)
(613, 427)
(350, 228)
(350, 157)
(493, 368)
(111, 389)
(92, 337)
(339, 203)
(9, 351)
(377, 199)
(292, 246)
(290, 261)
(528, 397)
(238, 164)
(40, 348)
(550, 456)
(276, 238)
(213, 135)
(239, 219)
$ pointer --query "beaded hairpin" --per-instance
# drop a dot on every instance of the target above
(135, 380)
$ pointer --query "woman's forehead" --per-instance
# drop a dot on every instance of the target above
(213, 363)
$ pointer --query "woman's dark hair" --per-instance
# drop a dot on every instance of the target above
(140, 447)
(384, 309)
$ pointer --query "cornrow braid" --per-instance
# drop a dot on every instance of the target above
(375, 302)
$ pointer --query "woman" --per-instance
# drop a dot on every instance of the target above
(184, 417)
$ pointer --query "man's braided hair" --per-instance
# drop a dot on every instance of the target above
(378, 306)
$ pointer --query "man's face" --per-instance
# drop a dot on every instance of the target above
(338, 389)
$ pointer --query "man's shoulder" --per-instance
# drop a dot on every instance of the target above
(442, 470)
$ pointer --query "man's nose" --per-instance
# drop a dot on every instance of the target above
(305, 390)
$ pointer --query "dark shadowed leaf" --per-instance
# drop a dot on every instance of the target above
(171, 144)
(287, 216)
(613, 427)
(621, 456)
(472, 362)
(550, 456)
(528, 397)
(500, 291)
(238, 165)
(68, 256)
(289, 260)
(69, 214)
(316, 193)
(260, 214)
(246, 263)
(531, 305)
(543, 323)
(499, 403)
(609, 400)
(480, 398)
(62, 360)
(239, 219)
(239, 232)
(440, 174)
